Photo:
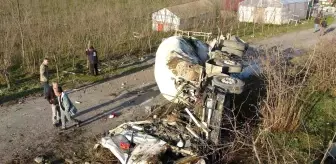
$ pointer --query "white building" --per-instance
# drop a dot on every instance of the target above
(184, 16)
(272, 11)
(325, 2)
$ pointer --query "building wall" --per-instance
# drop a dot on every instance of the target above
(272, 15)
(245, 14)
(269, 15)
(165, 20)
(303, 9)
(298, 9)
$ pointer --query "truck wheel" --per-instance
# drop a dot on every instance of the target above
(234, 67)
(233, 51)
(229, 84)
(234, 45)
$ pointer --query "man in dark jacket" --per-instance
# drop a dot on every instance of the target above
(93, 60)
(323, 26)
(53, 101)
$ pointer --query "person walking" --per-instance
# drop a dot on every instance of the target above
(44, 76)
(93, 60)
(323, 26)
(68, 110)
(317, 22)
(53, 101)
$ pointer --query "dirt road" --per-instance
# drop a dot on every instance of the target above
(301, 39)
(26, 128)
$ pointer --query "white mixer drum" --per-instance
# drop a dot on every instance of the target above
(191, 50)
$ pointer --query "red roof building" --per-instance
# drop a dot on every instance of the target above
(230, 5)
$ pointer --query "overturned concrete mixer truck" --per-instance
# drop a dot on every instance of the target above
(190, 71)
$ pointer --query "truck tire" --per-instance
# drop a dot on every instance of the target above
(234, 67)
(234, 45)
(233, 51)
(228, 83)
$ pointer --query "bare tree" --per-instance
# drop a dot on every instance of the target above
(18, 22)
(7, 44)
(57, 66)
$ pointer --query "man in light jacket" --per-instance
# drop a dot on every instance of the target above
(44, 76)
(68, 110)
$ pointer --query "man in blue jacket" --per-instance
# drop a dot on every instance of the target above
(68, 110)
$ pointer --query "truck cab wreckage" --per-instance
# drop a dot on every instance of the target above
(198, 75)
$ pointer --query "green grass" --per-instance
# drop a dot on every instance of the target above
(308, 143)
(262, 31)
(28, 84)
(316, 132)
(322, 115)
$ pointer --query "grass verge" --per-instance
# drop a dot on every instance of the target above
(251, 32)
(28, 84)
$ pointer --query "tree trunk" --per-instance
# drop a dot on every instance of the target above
(238, 29)
(149, 43)
(6, 74)
(21, 33)
(57, 70)
(253, 29)
(34, 66)
(73, 63)
(87, 60)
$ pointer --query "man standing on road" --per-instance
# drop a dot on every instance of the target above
(44, 76)
(68, 110)
(93, 60)
(323, 26)
(317, 22)
(53, 101)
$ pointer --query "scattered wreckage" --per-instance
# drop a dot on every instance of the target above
(150, 142)
(190, 72)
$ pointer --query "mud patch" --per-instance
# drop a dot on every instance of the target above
(69, 146)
